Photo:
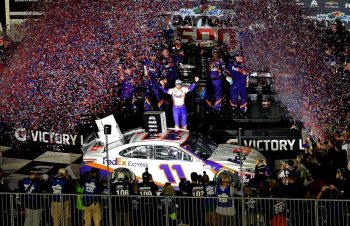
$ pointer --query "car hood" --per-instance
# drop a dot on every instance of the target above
(227, 155)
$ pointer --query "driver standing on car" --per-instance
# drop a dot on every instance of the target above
(178, 94)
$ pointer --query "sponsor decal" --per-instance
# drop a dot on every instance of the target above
(299, 2)
(271, 145)
(314, 4)
(207, 25)
(333, 15)
(331, 4)
(245, 150)
(275, 145)
(89, 160)
(122, 162)
(208, 11)
(24, 135)
(97, 148)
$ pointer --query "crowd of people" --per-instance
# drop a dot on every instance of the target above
(135, 58)
(321, 171)
(80, 66)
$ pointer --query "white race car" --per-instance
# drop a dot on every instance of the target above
(169, 156)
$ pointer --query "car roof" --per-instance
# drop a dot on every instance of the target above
(170, 135)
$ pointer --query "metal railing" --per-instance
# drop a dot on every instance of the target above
(19, 209)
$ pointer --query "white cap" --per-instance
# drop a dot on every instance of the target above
(178, 81)
(121, 176)
(62, 171)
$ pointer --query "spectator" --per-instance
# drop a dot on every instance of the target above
(122, 203)
(330, 209)
(5, 208)
(183, 202)
(169, 204)
(91, 202)
(338, 38)
(179, 109)
(343, 180)
(4, 187)
(262, 174)
(60, 186)
(148, 204)
(136, 208)
(329, 192)
(104, 201)
(80, 208)
(197, 205)
(225, 206)
(211, 218)
(286, 169)
(33, 209)
(253, 215)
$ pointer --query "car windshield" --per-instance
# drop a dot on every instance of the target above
(89, 142)
(202, 147)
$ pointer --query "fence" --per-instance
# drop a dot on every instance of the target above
(46, 209)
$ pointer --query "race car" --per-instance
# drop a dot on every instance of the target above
(169, 156)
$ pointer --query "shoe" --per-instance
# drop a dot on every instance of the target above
(244, 109)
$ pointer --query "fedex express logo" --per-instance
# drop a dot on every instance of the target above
(122, 162)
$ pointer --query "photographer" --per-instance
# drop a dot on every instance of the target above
(329, 192)
(262, 174)
(343, 180)
(286, 169)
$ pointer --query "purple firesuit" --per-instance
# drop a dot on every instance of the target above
(169, 69)
(153, 94)
(215, 84)
(239, 74)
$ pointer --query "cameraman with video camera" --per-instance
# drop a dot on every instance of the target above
(287, 169)
(262, 174)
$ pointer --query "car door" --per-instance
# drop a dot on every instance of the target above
(172, 163)
(136, 158)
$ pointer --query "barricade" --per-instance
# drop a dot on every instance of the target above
(19, 209)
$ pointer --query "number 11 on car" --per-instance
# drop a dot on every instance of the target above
(168, 171)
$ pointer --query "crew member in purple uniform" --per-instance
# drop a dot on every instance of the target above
(239, 74)
(153, 70)
(215, 83)
(178, 94)
(178, 51)
(169, 67)
(128, 88)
